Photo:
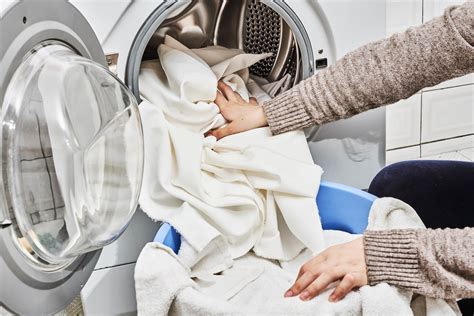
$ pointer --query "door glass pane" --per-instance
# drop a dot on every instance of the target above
(73, 145)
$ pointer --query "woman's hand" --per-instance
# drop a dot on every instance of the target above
(241, 115)
(344, 262)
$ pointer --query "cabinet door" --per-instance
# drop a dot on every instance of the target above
(432, 9)
(447, 113)
(403, 123)
(402, 14)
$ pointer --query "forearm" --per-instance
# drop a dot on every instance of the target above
(436, 263)
(380, 73)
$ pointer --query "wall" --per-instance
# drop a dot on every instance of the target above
(437, 122)
(351, 151)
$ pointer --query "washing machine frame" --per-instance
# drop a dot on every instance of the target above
(110, 289)
(324, 33)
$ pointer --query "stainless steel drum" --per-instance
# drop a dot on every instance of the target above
(255, 26)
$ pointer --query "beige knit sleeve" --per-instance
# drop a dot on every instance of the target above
(436, 263)
(380, 73)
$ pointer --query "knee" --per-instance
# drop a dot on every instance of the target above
(393, 178)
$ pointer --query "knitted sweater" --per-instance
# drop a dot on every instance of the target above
(380, 73)
(433, 262)
(437, 263)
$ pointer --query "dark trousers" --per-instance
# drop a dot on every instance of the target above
(441, 192)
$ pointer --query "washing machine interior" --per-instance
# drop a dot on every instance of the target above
(255, 26)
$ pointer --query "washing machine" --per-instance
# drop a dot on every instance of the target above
(72, 147)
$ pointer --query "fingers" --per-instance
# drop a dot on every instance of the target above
(253, 101)
(231, 128)
(314, 262)
(345, 261)
(320, 284)
(224, 107)
(227, 91)
(230, 94)
(301, 284)
(346, 285)
(310, 268)
(220, 100)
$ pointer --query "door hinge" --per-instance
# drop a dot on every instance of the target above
(112, 62)
(5, 223)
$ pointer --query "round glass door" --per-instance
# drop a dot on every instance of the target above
(73, 155)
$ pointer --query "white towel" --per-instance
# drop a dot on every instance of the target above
(261, 283)
(255, 190)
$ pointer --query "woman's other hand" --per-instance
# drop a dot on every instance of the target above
(344, 263)
(241, 115)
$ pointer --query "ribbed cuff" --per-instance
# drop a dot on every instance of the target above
(286, 112)
(392, 257)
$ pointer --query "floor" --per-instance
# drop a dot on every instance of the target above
(458, 155)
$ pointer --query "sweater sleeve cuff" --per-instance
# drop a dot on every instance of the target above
(286, 113)
(392, 257)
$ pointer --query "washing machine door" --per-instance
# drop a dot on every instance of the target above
(71, 155)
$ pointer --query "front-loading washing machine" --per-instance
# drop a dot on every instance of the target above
(71, 148)
(350, 151)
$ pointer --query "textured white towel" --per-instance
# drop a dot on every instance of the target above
(255, 190)
(255, 286)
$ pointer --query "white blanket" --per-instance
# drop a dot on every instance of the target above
(255, 190)
(167, 284)
(236, 201)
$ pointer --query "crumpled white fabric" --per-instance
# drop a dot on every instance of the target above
(274, 88)
(254, 190)
(250, 191)
(186, 284)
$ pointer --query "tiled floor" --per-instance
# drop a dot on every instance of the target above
(468, 153)
(458, 155)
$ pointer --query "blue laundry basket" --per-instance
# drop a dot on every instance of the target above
(341, 207)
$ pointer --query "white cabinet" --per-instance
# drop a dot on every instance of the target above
(407, 153)
(435, 8)
(447, 113)
(456, 82)
(435, 122)
(403, 123)
(401, 14)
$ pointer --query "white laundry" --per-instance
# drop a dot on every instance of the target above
(237, 202)
(255, 190)
(274, 88)
(261, 283)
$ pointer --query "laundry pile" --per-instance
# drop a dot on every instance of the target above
(244, 205)
(253, 189)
